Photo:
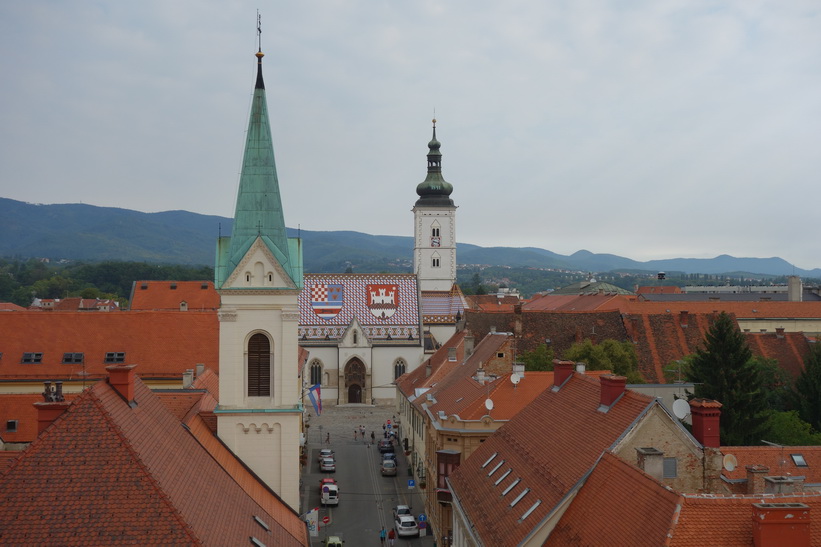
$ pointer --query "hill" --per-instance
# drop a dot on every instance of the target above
(90, 233)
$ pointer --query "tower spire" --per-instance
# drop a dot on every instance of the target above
(434, 190)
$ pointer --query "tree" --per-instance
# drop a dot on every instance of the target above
(807, 391)
(620, 357)
(789, 429)
(540, 358)
(723, 369)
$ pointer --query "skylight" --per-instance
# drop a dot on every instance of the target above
(798, 460)
(498, 465)
(500, 479)
(262, 523)
(490, 459)
(532, 508)
(509, 488)
(519, 497)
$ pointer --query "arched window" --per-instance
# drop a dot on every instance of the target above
(355, 337)
(398, 368)
(259, 366)
(434, 262)
(316, 372)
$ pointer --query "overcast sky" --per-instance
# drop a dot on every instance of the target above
(652, 129)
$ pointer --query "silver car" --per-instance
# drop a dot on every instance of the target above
(388, 468)
(406, 526)
(327, 465)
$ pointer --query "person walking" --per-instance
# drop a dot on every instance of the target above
(382, 535)
(354, 434)
(373, 437)
(391, 536)
(328, 438)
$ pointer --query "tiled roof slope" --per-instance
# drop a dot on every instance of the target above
(168, 295)
(8, 306)
(418, 378)
(107, 473)
(442, 307)
(164, 344)
(20, 407)
(508, 399)
(663, 289)
(789, 349)
(209, 381)
(551, 444)
(777, 459)
(571, 302)
(492, 302)
(742, 310)
(618, 505)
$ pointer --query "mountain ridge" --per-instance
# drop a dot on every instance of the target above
(78, 231)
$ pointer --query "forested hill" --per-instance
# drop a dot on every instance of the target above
(89, 233)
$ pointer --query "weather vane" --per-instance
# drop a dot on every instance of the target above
(259, 30)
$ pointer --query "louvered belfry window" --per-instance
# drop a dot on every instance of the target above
(259, 366)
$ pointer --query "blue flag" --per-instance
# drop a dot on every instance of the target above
(315, 396)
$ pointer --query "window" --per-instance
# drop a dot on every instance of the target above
(434, 262)
(398, 368)
(32, 358)
(434, 231)
(500, 354)
(11, 426)
(173, 286)
(798, 460)
(355, 337)
(115, 357)
(446, 463)
(670, 468)
(270, 278)
(70, 358)
(316, 372)
(259, 366)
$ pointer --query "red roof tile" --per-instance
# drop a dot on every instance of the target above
(20, 407)
(169, 295)
(778, 459)
(108, 473)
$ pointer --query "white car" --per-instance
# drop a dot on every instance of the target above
(325, 453)
(327, 465)
(405, 525)
(400, 510)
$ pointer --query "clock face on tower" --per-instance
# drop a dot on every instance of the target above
(435, 241)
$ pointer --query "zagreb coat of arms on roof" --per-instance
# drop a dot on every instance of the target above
(327, 299)
(382, 299)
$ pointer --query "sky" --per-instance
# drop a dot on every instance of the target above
(646, 129)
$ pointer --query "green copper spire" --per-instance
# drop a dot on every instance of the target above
(434, 190)
(258, 212)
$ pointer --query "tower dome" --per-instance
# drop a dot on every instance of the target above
(434, 190)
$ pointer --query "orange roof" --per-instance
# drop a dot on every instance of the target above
(169, 295)
(492, 302)
(113, 474)
(767, 309)
(571, 302)
(664, 289)
(778, 459)
(508, 399)
(8, 306)
(421, 377)
(164, 344)
(20, 407)
(550, 445)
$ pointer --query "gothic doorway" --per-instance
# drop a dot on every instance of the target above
(355, 380)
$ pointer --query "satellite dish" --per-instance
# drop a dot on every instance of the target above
(489, 404)
(730, 462)
(515, 379)
(681, 408)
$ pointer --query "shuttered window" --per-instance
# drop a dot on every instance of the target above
(259, 366)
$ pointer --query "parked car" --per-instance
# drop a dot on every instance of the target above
(389, 456)
(401, 510)
(328, 492)
(388, 468)
(327, 465)
(385, 446)
(405, 525)
(333, 541)
(326, 453)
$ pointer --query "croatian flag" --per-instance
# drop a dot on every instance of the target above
(316, 398)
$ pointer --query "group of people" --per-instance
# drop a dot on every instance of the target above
(391, 535)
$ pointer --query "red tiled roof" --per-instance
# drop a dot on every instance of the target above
(8, 306)
(550, 445)
(665, 289)
(20, 407)
(164, 344)
(777, 459)
(789, 349)
(418, 378)
(492, 302)
(168, 295)
(618, 505)
(209, 381)
(571, 302)
(508, 399)
(743, 310)
(108, 473)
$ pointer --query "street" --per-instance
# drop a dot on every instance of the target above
(366, 498)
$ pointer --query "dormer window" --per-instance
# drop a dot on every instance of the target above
(115, 357)
(72, 358)
(798, 460)
(32, 358)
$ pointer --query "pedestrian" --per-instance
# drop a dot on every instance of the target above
(328, 438)
(354, 434)
(373, 437)
(391, 536)
(382, 535)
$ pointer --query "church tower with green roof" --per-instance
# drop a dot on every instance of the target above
(258, 276)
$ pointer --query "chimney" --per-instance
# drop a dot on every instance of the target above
(187, 378)
(200, 369)
(612, 387)
(493, 329)
(581, 368)
(562, 370)
(480, 375)
(451, 354)
(705, 414)
(683, 318)
(779, 332)
(782, 485)
(519, 369)
(755, 478)
(121, 378)
(427, 369)
(52, 407)
(651, 461)
(795, 289)
(781, 525)
(470, 341)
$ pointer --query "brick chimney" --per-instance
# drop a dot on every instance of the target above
(706, 414)
(612, 387)
(781, 525)
(782, 485)
(121, 378)
(755, 478)
(562, 370)
(683, 318)
(779, 332)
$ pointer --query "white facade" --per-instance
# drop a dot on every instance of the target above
(434, 252)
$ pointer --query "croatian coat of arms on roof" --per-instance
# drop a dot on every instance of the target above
(382, 299)
(327, 299)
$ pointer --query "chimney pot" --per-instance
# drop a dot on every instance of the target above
(480, 375)
(777, 524)
(612, 387)
(200, 369)
(581, 368)
(121, 378)
(519, 369)
(779, 332)
(187, 378)
(706, 414)
(562, 370)
(755, 478)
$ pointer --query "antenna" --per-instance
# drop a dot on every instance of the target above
(730, 462)
(681, 408)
